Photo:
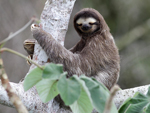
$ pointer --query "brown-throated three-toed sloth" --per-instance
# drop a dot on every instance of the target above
(95, 55)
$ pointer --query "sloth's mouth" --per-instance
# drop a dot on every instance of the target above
(85, 27)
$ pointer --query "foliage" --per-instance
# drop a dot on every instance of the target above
(138, 104)
(33, 78)
(82, 94)
(52, 71)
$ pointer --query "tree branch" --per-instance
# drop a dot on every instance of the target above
(109, 102)
(10, 91)
(30, 99)
(122, 95)
(17, 32)
(21, 55)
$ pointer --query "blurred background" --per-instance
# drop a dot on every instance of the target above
(129, 21)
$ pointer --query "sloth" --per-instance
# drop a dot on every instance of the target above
(95, 55)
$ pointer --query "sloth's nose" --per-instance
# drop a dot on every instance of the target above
(85, 27)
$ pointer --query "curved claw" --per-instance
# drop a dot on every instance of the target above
(34, 27)
(30, 57)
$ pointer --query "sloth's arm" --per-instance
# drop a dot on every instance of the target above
(56, 52)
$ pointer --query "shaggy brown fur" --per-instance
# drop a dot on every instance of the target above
(95, 55)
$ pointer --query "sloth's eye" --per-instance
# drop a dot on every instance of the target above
(79, 24)
(91, 23)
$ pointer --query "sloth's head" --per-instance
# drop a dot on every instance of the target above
(88, 22)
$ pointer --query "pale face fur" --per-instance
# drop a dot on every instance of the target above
(87, 25)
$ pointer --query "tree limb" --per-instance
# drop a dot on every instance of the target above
(17, 32)
(10, 91)
(109, 102)
(30, 99)
(122, 95)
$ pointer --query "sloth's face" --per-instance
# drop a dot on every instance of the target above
(87, 25)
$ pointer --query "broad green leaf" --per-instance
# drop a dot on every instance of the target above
(52, 71)
(69, 89)
(99, 98)
(124, 106)
(84, 103)
(136, 108)
(139, 96)
(99, 94)
(47, 89)
(140, 103)
(104, 89)
(102, 85)
(147, 109)
(32, 78)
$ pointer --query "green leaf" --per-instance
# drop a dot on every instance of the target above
(47, 89)
(147, 109)
(132, 102)
(140, 103)
(32, 78)
(138, 95)
(124, 106)
(136, 108)
(99, 94)
(69, 89)
(102, 85)
(84, 103)
(99, 98)
(52, 71)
